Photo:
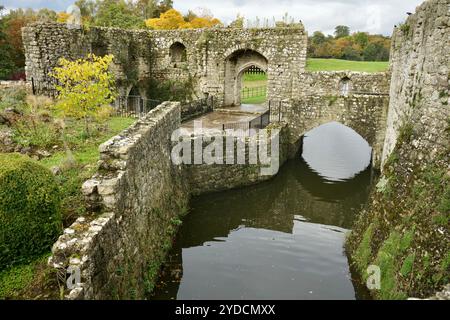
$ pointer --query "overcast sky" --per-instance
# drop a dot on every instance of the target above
(375, 16)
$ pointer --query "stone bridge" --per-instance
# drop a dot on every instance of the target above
(211, 62)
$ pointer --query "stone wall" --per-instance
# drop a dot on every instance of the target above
(196, 108)
(405, 228)
(143, 57)
(319, 98)
(135, 198)
(329, 83)
(420, 74)
(135, 201)
(206, 178)
(15, 85)
(365, 114)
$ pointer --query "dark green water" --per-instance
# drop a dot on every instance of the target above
(282, 239)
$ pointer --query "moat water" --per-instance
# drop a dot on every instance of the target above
(282, 239)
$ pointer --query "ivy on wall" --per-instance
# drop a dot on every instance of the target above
(170, 90)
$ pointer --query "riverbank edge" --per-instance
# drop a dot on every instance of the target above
(404, 230)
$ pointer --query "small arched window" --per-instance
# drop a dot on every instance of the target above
(344, 86)
(178, 52)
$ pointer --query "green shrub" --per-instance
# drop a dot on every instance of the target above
(30, 219)
(32, 132)
(13, 98)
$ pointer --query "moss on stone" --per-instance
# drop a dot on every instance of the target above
(387, 259)
(408, 264)
(363, 253)
(411, 206)
(406, 132)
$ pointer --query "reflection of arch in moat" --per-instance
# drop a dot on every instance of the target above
(295, 193)
(273, 205)
(335, 151)
(322, 189)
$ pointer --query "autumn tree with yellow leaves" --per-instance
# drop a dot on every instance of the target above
(172, 19)
(85, 87)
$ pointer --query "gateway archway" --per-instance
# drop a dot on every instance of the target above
(235, 67)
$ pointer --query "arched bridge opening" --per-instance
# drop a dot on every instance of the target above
(238, 66)
(253, 85)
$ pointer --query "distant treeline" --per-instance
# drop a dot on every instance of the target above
(359, 46)
(153, 14)
(159, 14)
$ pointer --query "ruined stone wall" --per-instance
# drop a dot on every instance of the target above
(209, 50)
(46, 43)
(328, 83)
(420, 75)
(206, 178)
(15, 85)
(135, 201)
(405, 229)
(143, 56)
(136, 198)
(196, 108)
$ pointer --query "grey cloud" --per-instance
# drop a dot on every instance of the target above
(377, 16)
(57, 5)
(361, 15)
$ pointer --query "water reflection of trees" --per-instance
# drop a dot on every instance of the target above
(273, 205)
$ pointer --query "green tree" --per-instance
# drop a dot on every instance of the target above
(351, 53)
(147, 9)
(46, 15)
(376, 52)
(318, 38)
(238, 23)
(165, 5)
(87, 8)
(117, 13)
(7, 66)
(14, 22)
(361, 38)
(341, 31)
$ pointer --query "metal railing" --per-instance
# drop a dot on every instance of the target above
(134, 106)
(253, 92)
(44, 88)
(245, 128)
(276, 111)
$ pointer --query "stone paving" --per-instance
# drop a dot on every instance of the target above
(226, 115)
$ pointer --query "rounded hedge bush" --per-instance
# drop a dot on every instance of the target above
(30, 217)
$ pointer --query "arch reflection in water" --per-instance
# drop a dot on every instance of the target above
(282, 239)
(336, 152)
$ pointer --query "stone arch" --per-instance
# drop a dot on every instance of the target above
(177, 53)
(345, 86)
(133, 97)
(134, 91)
(235, 65)
(349, 124)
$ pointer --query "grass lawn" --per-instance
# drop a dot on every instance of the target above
(85, 153)
(36, 280)
(29, 281)
(254, 81)
(254, 100)
(254, 77)
(344, 65)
